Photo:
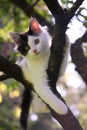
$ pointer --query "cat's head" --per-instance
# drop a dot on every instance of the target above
(34, 41)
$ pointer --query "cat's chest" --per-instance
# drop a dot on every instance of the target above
(35, 71)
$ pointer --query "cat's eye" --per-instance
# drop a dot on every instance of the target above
(37, 41)
(27, 47)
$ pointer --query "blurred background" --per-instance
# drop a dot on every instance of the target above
(14, 16)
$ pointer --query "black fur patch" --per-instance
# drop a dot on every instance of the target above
(30, 32)
(24, 42)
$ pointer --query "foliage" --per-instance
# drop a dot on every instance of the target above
(8, 120)
(14, 19)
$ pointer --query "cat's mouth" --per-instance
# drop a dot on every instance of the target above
(35, 51)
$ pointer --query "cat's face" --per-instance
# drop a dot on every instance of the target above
(34, 42)
(37, 44)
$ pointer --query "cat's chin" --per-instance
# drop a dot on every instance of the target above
(33, 54)
(37, 53)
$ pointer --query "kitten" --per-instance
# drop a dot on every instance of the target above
(34, 45)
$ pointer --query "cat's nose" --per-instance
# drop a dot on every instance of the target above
(35, 51)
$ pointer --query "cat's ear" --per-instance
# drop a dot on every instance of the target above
(35, 27)
(16, 38)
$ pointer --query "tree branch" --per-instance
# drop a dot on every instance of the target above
(13, 71)
(84, 37)
(74, 8)
(58, 13)
(54, 7)
(78, 57)
(59, 40)
(4, 77)
(68, 122)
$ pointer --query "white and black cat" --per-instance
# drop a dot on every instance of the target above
(34, 45)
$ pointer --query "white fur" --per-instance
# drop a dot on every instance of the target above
(38, 105)
(35, 72)
(38, 77)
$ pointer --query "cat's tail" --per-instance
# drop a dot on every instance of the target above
(25, 105)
